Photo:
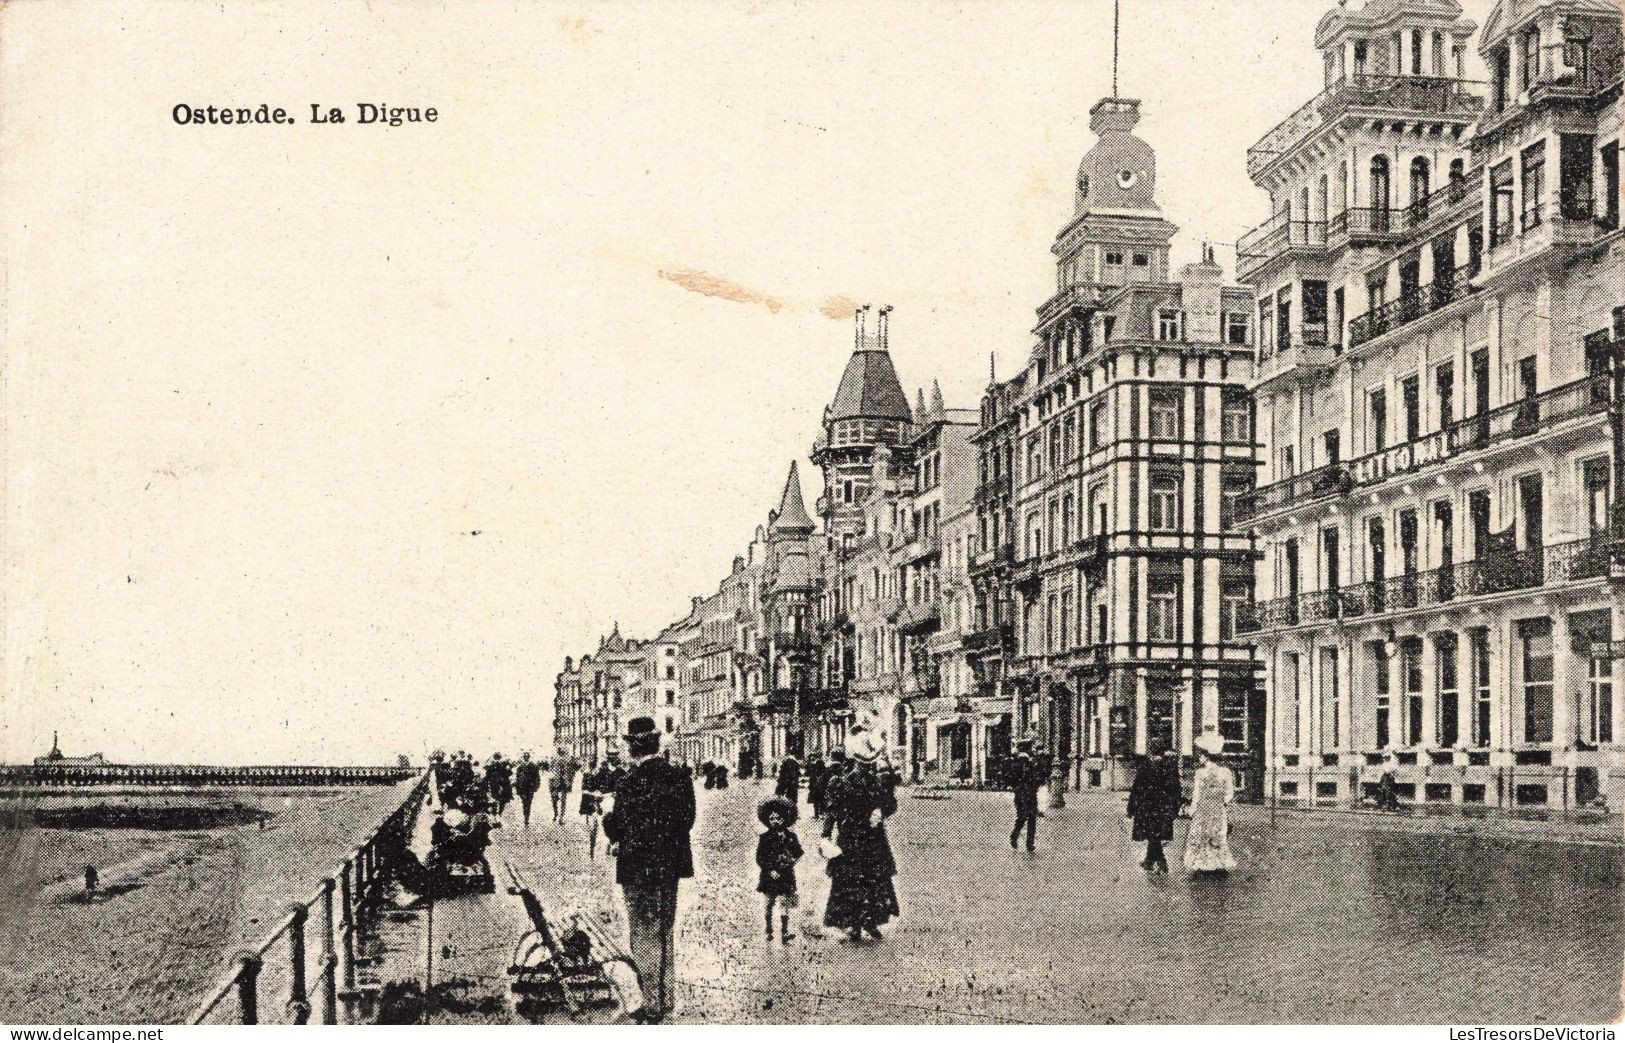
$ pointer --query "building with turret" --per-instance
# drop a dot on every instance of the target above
(1433, 289)
(1110, 564)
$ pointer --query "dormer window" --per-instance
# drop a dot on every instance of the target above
(1141, 261)
(1359, 58)
(1169, 323)
(1114, 257)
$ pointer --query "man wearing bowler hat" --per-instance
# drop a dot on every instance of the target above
(648, 828)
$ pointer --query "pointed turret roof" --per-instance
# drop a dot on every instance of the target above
(792, 514)
(870, 389)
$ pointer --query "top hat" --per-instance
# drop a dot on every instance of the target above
(1024, 746)
(641, 728)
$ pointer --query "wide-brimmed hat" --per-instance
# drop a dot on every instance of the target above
(641, 728)
(863, 745)
(779, 805)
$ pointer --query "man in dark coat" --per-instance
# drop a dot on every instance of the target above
(1153, 804)
(1026, 777)
(817, 779)
(527, 779)
(648, 828)
(789, 786)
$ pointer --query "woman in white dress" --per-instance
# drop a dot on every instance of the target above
(1207, 847)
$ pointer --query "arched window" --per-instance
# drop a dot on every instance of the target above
(1458, 179)
(1419, 187)
(1378, 192)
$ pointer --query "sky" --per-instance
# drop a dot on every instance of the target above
(324, 443)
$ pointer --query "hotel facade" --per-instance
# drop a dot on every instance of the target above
(1434, 296)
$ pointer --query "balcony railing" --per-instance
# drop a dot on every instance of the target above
(1601, 70)
(1519, 419)
(1411, 94)
(1569, 562)
(1274, 237)
(1331, 480)
(924, 616)
(997, 638)
(1412, 305)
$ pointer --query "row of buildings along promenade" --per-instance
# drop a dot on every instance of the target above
(1355, 513)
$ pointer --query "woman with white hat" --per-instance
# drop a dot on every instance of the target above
(861, 894)
(1207, 846)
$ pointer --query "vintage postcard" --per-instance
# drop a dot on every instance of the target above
(1016, 512)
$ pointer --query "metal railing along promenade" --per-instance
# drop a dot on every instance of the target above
(59, 774)
(353, 887)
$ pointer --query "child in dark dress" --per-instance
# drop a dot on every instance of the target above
(777, 852)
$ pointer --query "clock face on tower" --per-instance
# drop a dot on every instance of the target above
(1127, 178)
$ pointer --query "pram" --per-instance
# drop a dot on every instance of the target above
(457, 863)
(579, 970)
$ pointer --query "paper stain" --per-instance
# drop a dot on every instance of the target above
(839, 306)
(578, 30)
(696, 281)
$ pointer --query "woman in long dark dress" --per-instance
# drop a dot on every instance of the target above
(861, 894)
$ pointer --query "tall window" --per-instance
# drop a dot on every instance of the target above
(1381, 197)
(1235, 421)
(1378, 431)
(1411, 394)
(1165, 412)
(1444, 385)
(1234, 590)
(1479, 639)
(1380, 683)
(1595, 478)
(1501, 74)
(1097, 426)
(1420, 188)
(1531, 57)
(1534, 183)
(1501, 203)
(1169, 324)
(1535, 659)
(1291, 701)
(1162, 608)
(1164, 509)
(1446, 726)
(1411, 670)
(1234, 487)
(1330, 732)
(1600, 716)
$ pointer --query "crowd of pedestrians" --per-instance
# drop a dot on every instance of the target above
(645, 811)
